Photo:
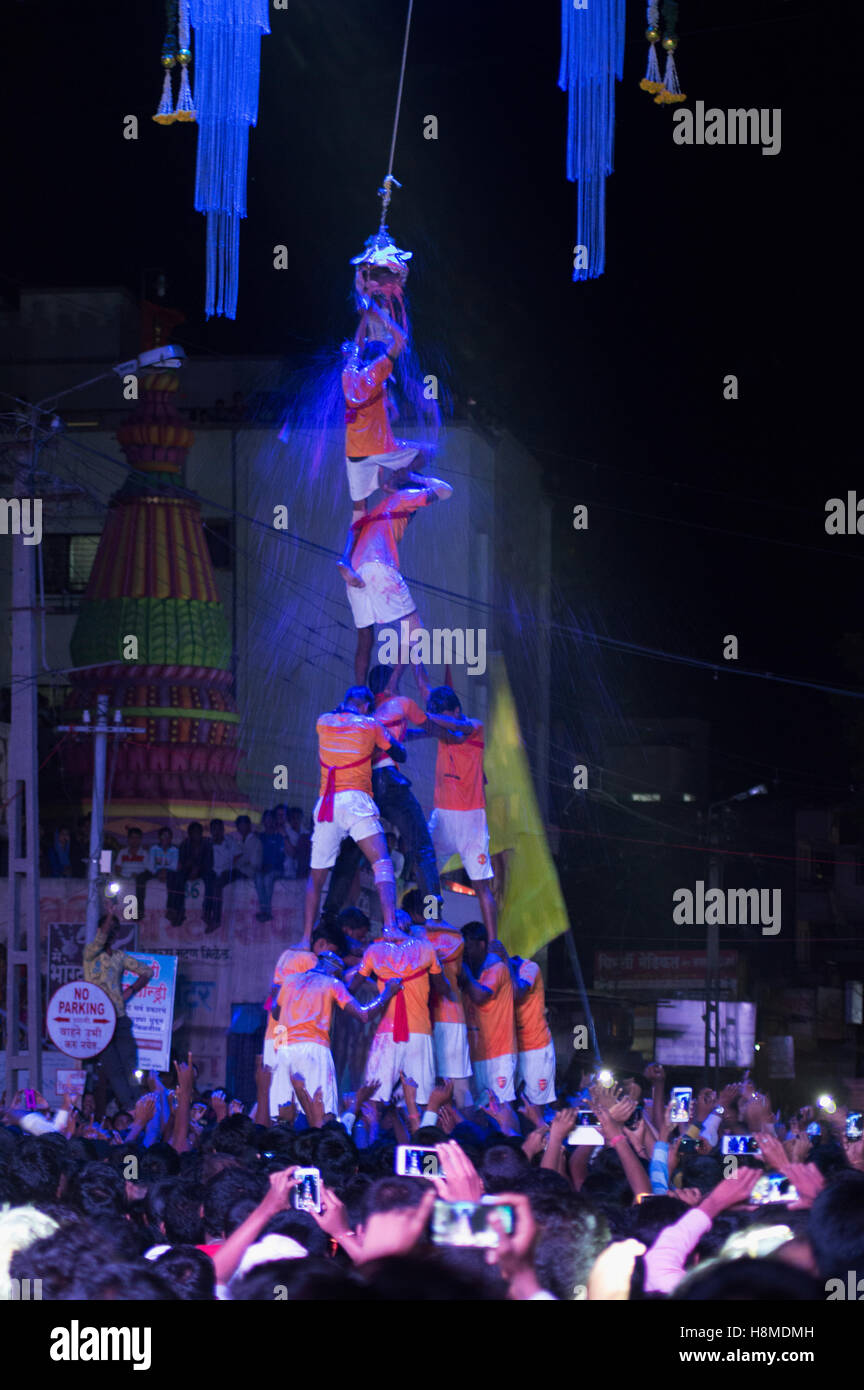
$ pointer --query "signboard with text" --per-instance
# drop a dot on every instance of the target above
(80, 1019)
(152, 1011)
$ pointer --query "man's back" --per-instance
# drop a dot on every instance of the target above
(306, 1007)
(401, 960)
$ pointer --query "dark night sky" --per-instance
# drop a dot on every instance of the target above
(718, 260)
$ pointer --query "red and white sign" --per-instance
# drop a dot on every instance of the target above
(81, 1019)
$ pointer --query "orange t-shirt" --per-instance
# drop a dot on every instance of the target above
(349, 738)
(306, 1007)
(394, 960)
(379, 531)
(290, 962)
(459, 773)
(532, 1030)
(367, 424)
(449, 947)
(394, 713)
(491, 1027)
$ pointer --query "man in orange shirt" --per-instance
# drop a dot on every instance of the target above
(293, 960)
(536, 1061)
(303, 1014)
(488, 992)
(403, 1039)
(449, 1032)
(458, 824)
(378, 593)
(371, 452)
(391, 790)
(346, 740)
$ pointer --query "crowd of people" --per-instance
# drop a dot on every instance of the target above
(278, 849)
(186, 1196)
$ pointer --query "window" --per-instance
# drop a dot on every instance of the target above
(67, 562)
(220, 543)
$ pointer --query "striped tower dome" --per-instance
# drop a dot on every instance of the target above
(153, 632)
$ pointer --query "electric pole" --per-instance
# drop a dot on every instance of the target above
(24, 955)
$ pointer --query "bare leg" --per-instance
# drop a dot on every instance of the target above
(363, 653)
(413, 624)
(344, 565)
(311, 903)
(375, 848)
(488, 908)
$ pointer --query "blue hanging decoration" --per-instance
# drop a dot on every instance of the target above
(227, 61)
(592, 58)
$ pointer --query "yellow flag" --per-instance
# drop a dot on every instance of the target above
(533, 910)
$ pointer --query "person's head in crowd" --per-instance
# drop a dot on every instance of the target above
(20, 1226)
(295, 818)
(217, 831)
(195, 832)
(243, 826)
(229, 1198)
(355, 924)
(358, 699)
(476, 939)
(328, 936)
(268, 823)
(379, 678)
(443, 700)
(750, 1281)
(166, 835)
(836, 1227)
(414, 903)
(133, 837)
(308, 1280)
(188, 1272)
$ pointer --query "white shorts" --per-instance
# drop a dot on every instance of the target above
(452, 1058)
(314, 1062)
(388, 1058)
(354, 814)
(537, 1069)
(464, 833)
(363, 473)
(496, 1074)
(385, 597)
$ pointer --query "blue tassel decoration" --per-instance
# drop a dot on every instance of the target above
(592, 58)
(227, 62)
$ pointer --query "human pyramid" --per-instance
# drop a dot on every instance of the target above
(451, 1005)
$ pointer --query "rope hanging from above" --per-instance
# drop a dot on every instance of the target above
(227, 61)
(592, 58)
(382, 267)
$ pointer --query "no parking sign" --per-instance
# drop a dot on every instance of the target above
(81, 1019)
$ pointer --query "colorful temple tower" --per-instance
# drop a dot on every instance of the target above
(153, 633)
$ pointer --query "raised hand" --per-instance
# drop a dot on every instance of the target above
(395, 1232)
(457, 1179)
(440, 1095)
(621, 1111)
(447, 1119)
(535, 1142)
(186, 1076)
(218, 1104)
